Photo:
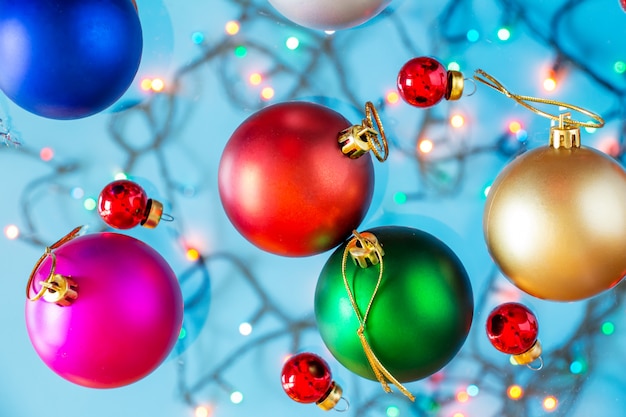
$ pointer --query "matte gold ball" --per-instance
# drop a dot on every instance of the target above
(555, 222)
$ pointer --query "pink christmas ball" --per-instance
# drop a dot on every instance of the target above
(125, 320)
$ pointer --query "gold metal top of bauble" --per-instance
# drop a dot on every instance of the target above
(455, 85)
(355, 141)
(332, 398)
(154, 214)
(364, 249)
(565, 135)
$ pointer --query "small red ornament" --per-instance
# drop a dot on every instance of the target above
(123, 204)
(306, 378)
(424, 81)
(295, 178)
(512, 328)
(623, 4)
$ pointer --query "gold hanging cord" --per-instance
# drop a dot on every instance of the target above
(382, 374)
(483, 77)
(379, 148)
(49, 282)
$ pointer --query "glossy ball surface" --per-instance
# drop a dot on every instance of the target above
(67, 59)
(422, 81)
(555, 222)
(329, 14)
(306, 377)
(122, 204)
(125, 321)
(420, 316)
(285, 184)
(512, 328)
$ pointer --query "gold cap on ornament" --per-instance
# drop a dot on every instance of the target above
(364, 249)
(154, 212)
(531, 355)
(456, 84)
(355, 141)
(330, 400)
(565, 135)
(59, 289)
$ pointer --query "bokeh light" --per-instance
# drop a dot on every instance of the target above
(241, 51)
(267, 93)
(11, 231)
(89, 204)
(473, 35)
(46, 154)
(292, 43)
(504, 34)
(232, 27)
(550, 403)
(202, 411)
(393, 411)
(245, 329)
(457, 121)
(426, 146)
(454, 66)
(549, 84)
(608, 328)
(515, 392)
(472, 390)
(197, 37)
(236, 397)
(392, 97)
(515, 126)
(192, 254)
(255, 78)
(462, 396)
(400, 198)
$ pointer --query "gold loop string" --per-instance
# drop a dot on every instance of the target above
(380, 148)
(490, 81)
(382, 374)
(47, 283)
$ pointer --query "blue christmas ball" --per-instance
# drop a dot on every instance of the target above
(67, 59)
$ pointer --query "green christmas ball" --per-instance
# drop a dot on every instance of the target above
(419, 317)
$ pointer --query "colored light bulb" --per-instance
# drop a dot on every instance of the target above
(424, 81)
(306, 378)
(123, 204)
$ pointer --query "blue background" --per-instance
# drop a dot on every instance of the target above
(171, 143)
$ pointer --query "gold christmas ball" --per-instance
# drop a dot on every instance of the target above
(555, 222)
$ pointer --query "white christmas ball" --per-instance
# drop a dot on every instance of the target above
(329, 14)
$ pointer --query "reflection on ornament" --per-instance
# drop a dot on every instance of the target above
(329, 14)
(424, 81)
(411, 310)
(306, 378)
(123, 204)
(555, 219)
(512, 328)
(68, 59)
(103, 310)
(295, 178)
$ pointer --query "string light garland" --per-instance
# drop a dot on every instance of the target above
(161, 113)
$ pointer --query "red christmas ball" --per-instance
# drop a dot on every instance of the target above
(285, 184)
(123, 204)
(512, 328)
(423, 82)
(306, 378)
